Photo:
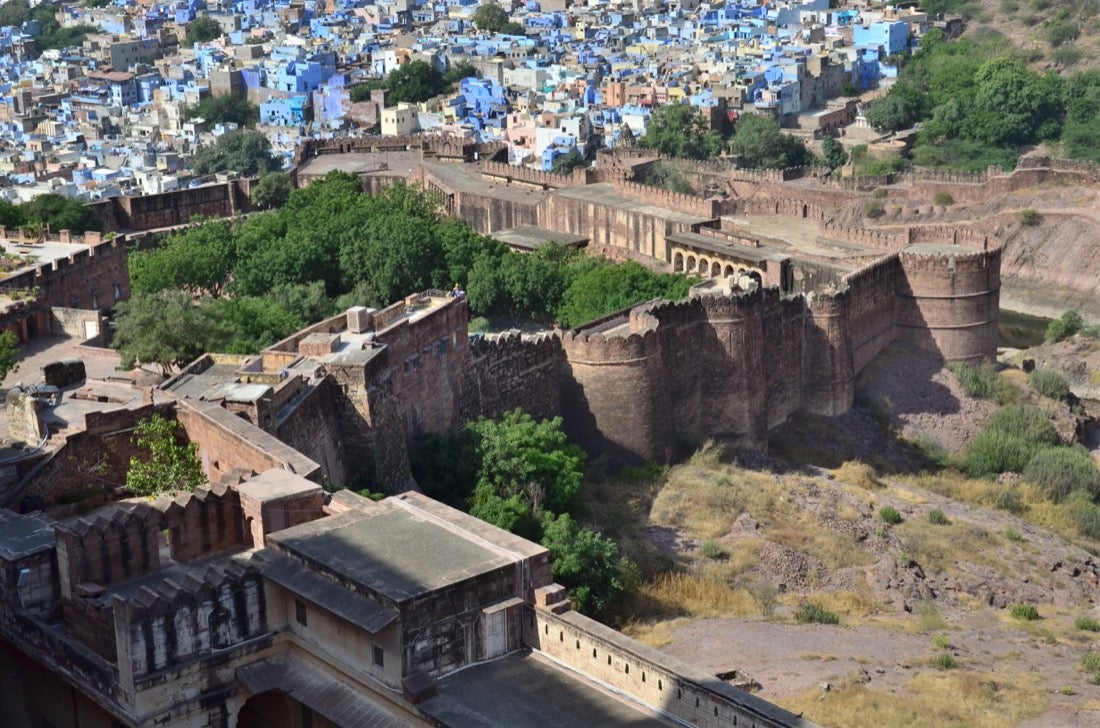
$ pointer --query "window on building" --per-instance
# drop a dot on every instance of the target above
(300, 612)
(379, 657)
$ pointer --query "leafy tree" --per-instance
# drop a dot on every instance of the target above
(607, 288)
(60, 213)
(203, 29)
(307, 301)
(761, 145)
(892, 112)
(272, 191)
(14, 13)
(835, 156)
(168, 466)
(224, 109)
(196, 260)
(243, 150)
(9, 350)
(166, 328)
(585, 563)
(459, 71)
(252, 323)
(678, 130)
(415, 82)
(11, 216)
(519, 456)
(566, 163)
(492, 18)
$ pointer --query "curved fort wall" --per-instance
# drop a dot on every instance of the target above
(948, 302)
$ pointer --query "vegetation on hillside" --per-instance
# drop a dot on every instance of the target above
(977, 102)
(238, 286)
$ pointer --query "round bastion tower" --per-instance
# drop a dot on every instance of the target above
(949, 300)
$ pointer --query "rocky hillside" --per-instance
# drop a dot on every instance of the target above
(955, 601)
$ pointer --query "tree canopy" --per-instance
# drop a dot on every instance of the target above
(975, 101)
(761, 145)
(203, 29)
(55, 211)
(331, 246)
(524, 476)
(243, 150)
(414, 82)
(224, 109)
(166, 465)
(492, 18)
(678, 130)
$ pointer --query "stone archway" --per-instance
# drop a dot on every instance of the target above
(715, 269)
(678, 263)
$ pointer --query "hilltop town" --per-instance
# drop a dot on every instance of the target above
(114, 112)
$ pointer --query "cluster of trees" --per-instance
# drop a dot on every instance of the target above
(242, 150)
(16, 12)
(415, 82)
(55, 211)
(525, 477)
(679, 130)
(239, 286)
(224, 109)
(203, 29)
(492, 18)
(976, 101)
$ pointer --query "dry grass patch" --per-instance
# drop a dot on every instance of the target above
(705, 500)
(851, 605)
(955, 697)
(856, 473)
(691, 595)
(943, 550)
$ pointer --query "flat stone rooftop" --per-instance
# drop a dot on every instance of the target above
(393, 550)
(527, 690)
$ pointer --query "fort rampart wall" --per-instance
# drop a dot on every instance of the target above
(663, 683)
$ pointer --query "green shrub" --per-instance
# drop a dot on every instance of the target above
(1050, 383)
(1087, 624)
(1064, 327)
(943, 198)
(1059, 471)
(945, 661)
(1091, 661)
(1026, 422)
(942, 641)
(1061, 33)
(890, 515)
(1013, 534)
(812, 612)
(980, 381)
(1067, 55)
(937, 517)
(1029, 217)
(1025, 612)
(711, 550)
(1085, 514)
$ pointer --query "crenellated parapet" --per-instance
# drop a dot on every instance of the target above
(171, 623)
